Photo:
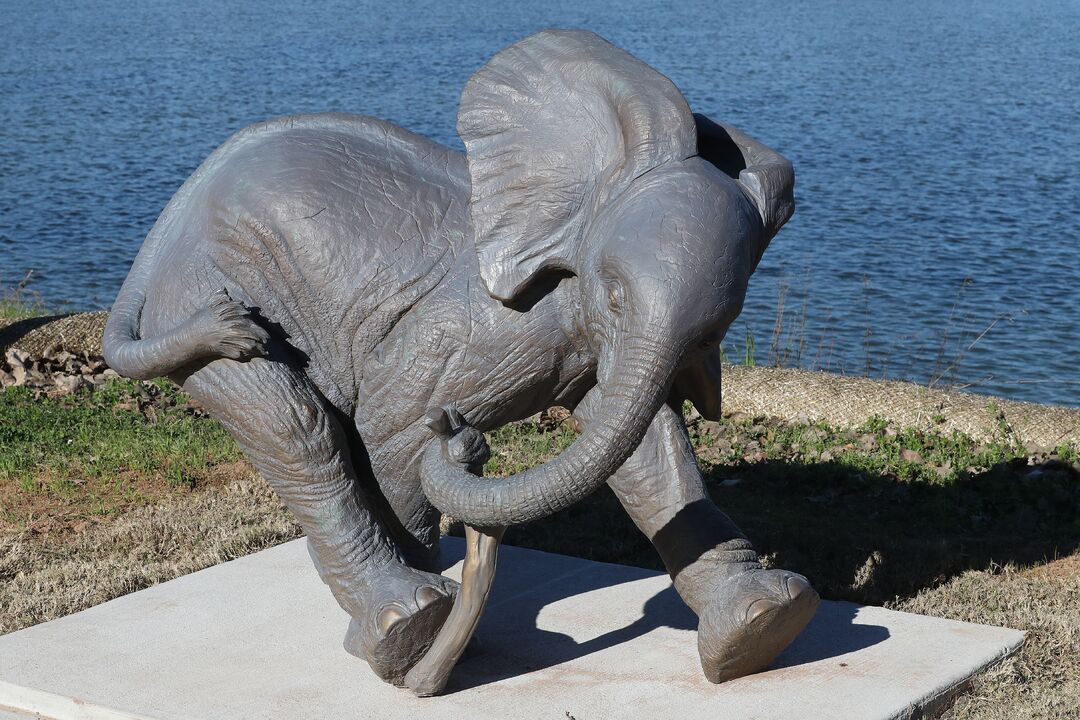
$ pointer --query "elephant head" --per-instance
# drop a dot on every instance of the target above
(586, 161)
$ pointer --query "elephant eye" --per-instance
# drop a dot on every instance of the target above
(614, 297)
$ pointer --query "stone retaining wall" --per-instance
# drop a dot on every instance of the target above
(845, 401)
(78, 333)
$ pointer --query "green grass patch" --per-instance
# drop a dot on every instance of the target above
(95, 452)
(520, 446)
(123, 426)
(869, 514)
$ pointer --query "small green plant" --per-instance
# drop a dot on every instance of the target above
(519, 446)
(748, 350)
(176, 477)
(19, 302)
(747, 356)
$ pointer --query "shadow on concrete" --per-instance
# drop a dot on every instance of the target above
(832, 633)
(509, 643)
(858, 536)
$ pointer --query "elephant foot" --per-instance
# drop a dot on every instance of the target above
(408, 609)
(750, 620)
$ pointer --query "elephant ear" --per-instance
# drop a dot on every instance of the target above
(554, 126)
(766, 176)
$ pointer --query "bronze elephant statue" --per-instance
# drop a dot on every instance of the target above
(323, 281)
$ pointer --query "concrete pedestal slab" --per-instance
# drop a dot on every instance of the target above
(260, 637)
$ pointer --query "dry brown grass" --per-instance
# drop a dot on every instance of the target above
(45, 577)
(1043, 679)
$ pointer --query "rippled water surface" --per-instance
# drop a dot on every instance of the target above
(937, 233)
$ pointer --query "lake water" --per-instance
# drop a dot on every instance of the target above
(937, 233)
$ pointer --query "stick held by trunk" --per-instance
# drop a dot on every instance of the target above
(429, 676)
(467, 446)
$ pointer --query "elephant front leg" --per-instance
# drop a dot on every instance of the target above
(295, 441)
(747, 615)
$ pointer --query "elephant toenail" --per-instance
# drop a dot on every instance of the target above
(759, 607)
(796, 586)
(389, 616)
(426, 595)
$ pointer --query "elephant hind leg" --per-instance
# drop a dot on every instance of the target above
(294, 439)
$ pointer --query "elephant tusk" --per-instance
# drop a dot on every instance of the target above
(429, 676)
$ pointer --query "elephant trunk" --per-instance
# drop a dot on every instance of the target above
(638, 387)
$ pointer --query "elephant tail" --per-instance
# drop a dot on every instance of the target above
(223, 328)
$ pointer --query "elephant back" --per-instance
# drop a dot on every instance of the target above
(335, 226)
